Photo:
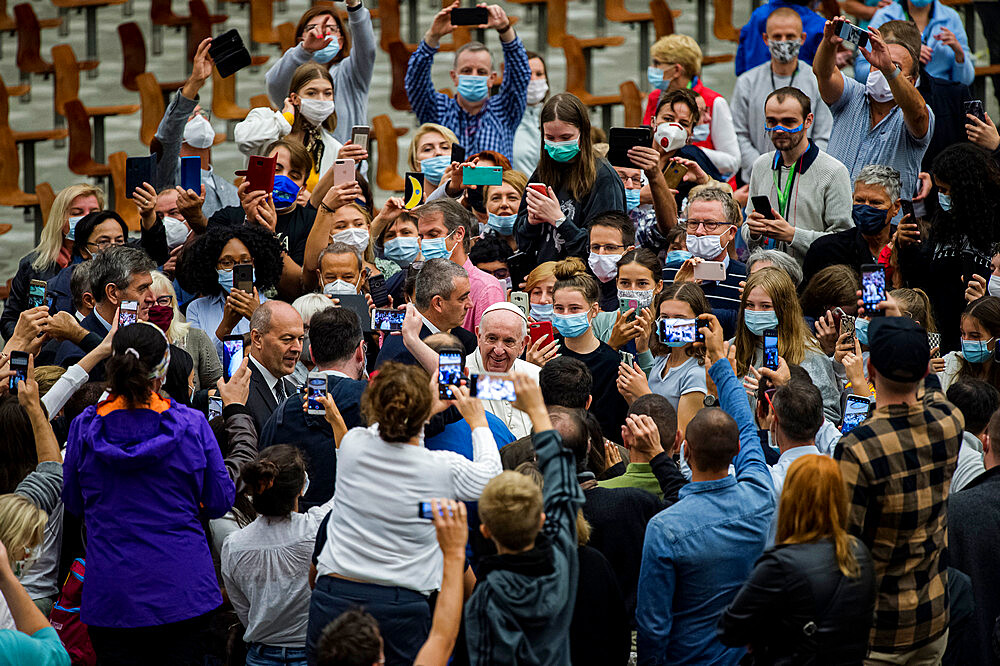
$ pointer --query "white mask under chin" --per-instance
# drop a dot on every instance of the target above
(671, 136)
(878, 87)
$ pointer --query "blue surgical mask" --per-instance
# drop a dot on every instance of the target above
(562, 151)
(944, 200)
(328, 52)
(869, 219)
(502, 224)
(921, 3)
(675, 256)
(402, 249)
(631, 199)
(700, 132)
(73, 221)
(433, 167)
(861, 331)
(226, 278)
(541, 311)
(571, 326)
(758, 321)
(473, 88)
(976, 351)
(435, 248)
(655, 77)
(285, 192)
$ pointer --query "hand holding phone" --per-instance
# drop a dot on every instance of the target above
(762, 205)
(449, 371)
(19, 364)
(872, 288)
(316, 386)
(771, 349)
(128, 313)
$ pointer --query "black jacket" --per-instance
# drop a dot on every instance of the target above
(393, 348)
(798, 608)
(261, 401)
(17, 300)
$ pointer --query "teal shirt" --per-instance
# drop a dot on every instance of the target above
(637, 475)
(43, 648)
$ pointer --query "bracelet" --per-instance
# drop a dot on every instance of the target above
(501, 31)
(895, 73)
(324, 207)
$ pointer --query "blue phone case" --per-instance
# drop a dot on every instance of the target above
(191, 173)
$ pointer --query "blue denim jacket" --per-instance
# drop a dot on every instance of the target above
(700, 551)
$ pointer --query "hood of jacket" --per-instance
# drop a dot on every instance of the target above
(130, 439)
(527, 584)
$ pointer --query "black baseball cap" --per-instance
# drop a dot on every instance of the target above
(898, 348)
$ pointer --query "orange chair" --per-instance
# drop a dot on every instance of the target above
(26, 139)
(615, 11)
(399, 56)
(46, 195)
(578, 80)
(153, 106)
(199, 27)
(81, 160)
(10, 193)
(286, 36)
(663, 18)
(390, 28)
(29, 48)
(134, 60)
(632, 101)
(557, 35)
(262, 30)
(8, 24)
(260, 101)
(387, 160)
(123, 205)
(68, 88)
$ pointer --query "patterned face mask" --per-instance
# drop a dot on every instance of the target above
(784, 51)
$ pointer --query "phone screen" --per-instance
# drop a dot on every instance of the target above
(678, 332)
(872, 288)
(359, 136)
(449, 373)
(388, 320)
(317, 389)
(127, 313)
(232, 355)
(191, 173)
(214, 407)
(494, 387)
(771, 349)
(855, 412)
(19, 364)
(36, 294)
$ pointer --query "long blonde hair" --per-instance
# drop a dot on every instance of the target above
(813, 506)
(22, 524)
(51, 241)
(179, 326)
(794, 339)
(411, 153)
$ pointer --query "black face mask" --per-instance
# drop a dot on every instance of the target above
(868, 219)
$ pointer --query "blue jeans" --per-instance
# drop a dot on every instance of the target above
(259, 654)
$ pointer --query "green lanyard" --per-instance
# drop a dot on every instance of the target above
(784, 193)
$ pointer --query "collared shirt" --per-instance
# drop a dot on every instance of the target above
(206, 313)
(485, 290)
(898, 466)
(104, 322)
(268, 377)
(430, 326)
(856, 143)
(785, 460)
(516, 421)
(494, 126)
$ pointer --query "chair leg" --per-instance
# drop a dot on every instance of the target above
(702, 21)
(127, 8)
(606, 117)
(643, 49)
(600, 19)
(39, 222)
(99, 147)
(543, 29)
(64, 26)
(25, 79)
(29, 166)
(59, 122)
(92, 39)
(587, 53)
(157, 39)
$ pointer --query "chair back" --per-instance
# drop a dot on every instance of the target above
(29, 41)
(123, 205)
(10, 164)
(80, 137)
(557, 23)
(153, 106)
(133, 54)
(663, 18)
(67, 76)
(46, 195)
(262, 22)
(576, 66)
(224, 104)
(387, 160)
(632, 100)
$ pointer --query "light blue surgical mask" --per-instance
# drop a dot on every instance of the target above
(758, 321)
(73, 221)
(675, 256)
(563, 151)
(435, 248)
(631, 199)
(861, 331)
(655, 77)
(473, 88)
(541, 311)
(328, 52)
(700, 132)
(402, 249)
(976, 351)
(571, 326)
(944, 200)
(433, 167)
(502, 224)
(226, 278)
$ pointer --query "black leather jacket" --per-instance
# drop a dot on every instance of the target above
(798, 608)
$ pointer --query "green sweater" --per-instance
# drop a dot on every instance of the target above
(637, 475)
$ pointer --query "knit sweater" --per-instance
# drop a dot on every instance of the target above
(820, 200)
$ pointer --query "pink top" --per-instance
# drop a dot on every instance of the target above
(485, 291)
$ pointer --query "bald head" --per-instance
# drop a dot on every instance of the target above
(784, 15)
(276, 334)
(713, 438)
(502, 337)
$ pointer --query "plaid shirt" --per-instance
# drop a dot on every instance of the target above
(898, 466)
(494, 126)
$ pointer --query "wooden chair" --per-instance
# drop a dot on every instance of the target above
(262, 30)
(390, 29)
(199, 27)
(979, 82)
(578, 80)
(663, 18)
(399, 56)
(224, 105)
(134, 60)
(261, 101)
(11, 193)
(722, 26)
(46, 195)
(29, 48)
(632, 101)
(8, 24)
(387, 160)
(27, 140)
(286, 36)
(615, 11)
(68, 88)
(557, 35)
(81, 159)
(122, 204)
(153, 106)
(89, 8)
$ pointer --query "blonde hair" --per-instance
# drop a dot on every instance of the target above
(512, 177)
(571, 273)
(511, 508)
(794, 339)
(813, 506)
(22, 524)
(679, 49)
(411, 154)
(179, 326)
(539, 273)
(916, 304)
(46, 376)
(308, 305)
(50, 243)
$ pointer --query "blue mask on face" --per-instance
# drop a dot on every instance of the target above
(226, 278)
(631, 199)
(435, 248)
(700, 132)
(944, 200)
(73, 221)
(328, 52)
(541, 311)
(571, 326)
(921, 3)
(473, 88)
(861, 331)
(787, 130)
(502, 224)
(678, 256)
(976, 351)
(433, 167)
(285, 192)
(655, 77)
(869, 219)
(758, 321)
(402, 249)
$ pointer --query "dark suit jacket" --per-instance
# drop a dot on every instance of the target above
(261, 401)
(393, 348)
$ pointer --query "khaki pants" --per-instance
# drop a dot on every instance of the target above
(928, 655)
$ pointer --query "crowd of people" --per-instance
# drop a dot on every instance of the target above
(734, 399)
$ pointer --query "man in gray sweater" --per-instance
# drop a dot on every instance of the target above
(809, 191)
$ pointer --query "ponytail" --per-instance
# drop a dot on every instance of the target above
(275, 479)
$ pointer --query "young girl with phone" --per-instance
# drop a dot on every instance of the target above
(978, 356)
(628, 329)
(502, 202)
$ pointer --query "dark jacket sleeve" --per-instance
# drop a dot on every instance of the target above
(242, 439)
(756, 604)
(436, 424)
(669, 476)
(15, 302)
(154, 242)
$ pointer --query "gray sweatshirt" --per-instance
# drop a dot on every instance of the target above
(43, 486)
(352, 76)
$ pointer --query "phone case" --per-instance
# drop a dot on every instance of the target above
(343, 172)
(457, 153)
(484, 175)
(470, 16)
(376, 287)
(675, 174)
(191, 174)
(413, 194)
(243, 278)
(622, 139)
(229, 53)
(139, 170)
(710, 270)
(259, 173)
(360, 135)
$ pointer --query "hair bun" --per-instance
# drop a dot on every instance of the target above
(569, 268)
(259, 475)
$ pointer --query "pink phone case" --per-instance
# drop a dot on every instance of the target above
(710, 270)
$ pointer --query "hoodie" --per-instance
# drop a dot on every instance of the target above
(521, 609)
(140, 478)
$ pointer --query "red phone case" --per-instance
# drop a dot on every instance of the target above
(539, 329)
(260, 173)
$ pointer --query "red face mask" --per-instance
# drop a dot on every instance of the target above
(161, 315)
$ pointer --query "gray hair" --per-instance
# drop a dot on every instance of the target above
(337, 247)
(881, 176)
(730, 208)
(455, 215)
(308, 305)
(778, 259)
(436, 278)
(521, 320)
(471, 47)
(116, 265)
(79, 282)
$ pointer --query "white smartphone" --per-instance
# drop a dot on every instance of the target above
(710, 270)
(316, 385)
(520, 299)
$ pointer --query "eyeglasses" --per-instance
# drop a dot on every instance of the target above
(331, 28)
(711, 226)
(500, 273)
(105, 243)
(164, 300)
(227, 264)
(597, 248)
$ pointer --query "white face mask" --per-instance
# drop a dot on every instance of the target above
(605, 266)
(537, 88)
(316, 110)
(993, 287)
(878, 87)
(339, 287)
(671, 136)
(356, 237)
(177, 231)
(198, 133)
(707, 247)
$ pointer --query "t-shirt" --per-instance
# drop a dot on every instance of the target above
(607, 403)
(292, 227)
(42, 648)
(688, 377)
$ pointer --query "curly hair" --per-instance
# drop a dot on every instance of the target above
(399, 400)
(196, 267)
(974, 179)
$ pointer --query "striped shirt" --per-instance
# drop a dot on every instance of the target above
(493, 128)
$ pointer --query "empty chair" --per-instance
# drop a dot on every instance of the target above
(161, 15)
(27, 140)
(81, 158)
(387, 159)
(199, 27)
(557, 35)
(153, 106)
(11, 193)
(134, 59)
(578, 80)
(122, 204)
(89, 8)
(29, 47)
(723, 28)
(614, 10)
(663, 18)
(262, 30)
(8, 24)
(632, 101)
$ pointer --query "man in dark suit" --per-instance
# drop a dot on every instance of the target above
(441, 296)
(276, 334)
(337, 348)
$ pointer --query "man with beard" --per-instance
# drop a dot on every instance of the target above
(808, 190)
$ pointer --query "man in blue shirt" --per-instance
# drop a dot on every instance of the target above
(753, 51)
(699, 552)
(479, 121)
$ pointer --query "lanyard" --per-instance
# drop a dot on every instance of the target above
(774, 86)
(784, 194)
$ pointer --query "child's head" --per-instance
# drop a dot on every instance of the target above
(510, 509)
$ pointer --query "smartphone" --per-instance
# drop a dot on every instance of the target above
(449, 371)
(470, 16)
(413, 194)
(762, 205)
(343, 172)
(386, 319)
(492, 386)
(771, 348)
(710, 270)
(376, 287)
(847, 324)
(214, 406)
(540, 330)
(541, 188)
(243, 278)
(674, 174)
(316, 388)
(622, 139)
(520, 299)
(907, 206)
(678, 331)
(975, 108)
(519, 265)
(36, 293)
(626, 304)
(850, 33)
(475, 200)
(259, 173)
(855, 411)
(360, 135)
(19, 364)
(191, 173)
(424, 511)
(457, 153)
(229, 53)
(934, 342)
(482, 175)
(872, 288)
(128, 313)
(139, 170)
(232, 355)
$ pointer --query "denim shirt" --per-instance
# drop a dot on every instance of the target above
(700, 551)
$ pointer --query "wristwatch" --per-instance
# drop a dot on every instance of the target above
(894, 74)
(710, 401)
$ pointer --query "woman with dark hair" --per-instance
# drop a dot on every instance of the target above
(179, 382)
(628, 329)
(140, 470)
(978, 357)
(579, 185)
(962, 239)
(206, 268)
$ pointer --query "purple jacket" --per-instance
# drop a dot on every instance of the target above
(140, 478)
